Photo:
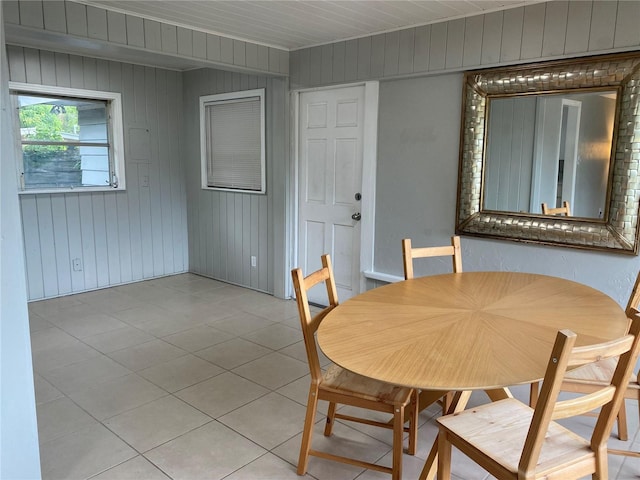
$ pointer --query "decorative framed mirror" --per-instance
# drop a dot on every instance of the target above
(565, 134)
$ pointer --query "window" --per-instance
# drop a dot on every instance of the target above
(70, 139)
(232, 141)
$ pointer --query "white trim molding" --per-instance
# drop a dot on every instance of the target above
(383, 277)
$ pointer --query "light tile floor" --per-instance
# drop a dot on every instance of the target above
(189, 378)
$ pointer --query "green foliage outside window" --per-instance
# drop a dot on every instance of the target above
(49, 122)
(50, 165)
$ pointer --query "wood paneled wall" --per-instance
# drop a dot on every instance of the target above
(527, 34)
(117, 29)
(509, 159)
(226, 228)
(122, 236)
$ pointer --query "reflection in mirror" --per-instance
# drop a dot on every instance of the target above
(549, 148)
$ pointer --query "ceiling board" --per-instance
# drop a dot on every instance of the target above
(295, 24)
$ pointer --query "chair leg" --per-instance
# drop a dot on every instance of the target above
(602, 465)
(623, 433)
(331, 417)
(307, 433)
(398, 434)
(533, 394)
(413, 423)
(444, 456)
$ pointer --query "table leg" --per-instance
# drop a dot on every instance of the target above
(499, 394)
(429, 397)
(458, 404)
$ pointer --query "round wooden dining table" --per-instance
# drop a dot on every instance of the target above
(465, 331)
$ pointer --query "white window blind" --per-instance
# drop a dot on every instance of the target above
(233, 147)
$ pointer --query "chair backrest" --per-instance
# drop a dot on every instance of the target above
(565, 209)
(409, 253)
(634, 299)
(310, 323)
(609, 397)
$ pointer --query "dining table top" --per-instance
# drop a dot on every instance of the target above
(465, 331)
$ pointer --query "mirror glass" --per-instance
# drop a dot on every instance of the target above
(583, 150)
(549, 148)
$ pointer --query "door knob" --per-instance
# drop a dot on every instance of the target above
(356, 216)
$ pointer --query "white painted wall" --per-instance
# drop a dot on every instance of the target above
(19, 451)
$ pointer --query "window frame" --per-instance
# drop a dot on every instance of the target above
(115, 126)
(222, 98)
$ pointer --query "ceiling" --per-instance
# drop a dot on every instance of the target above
(295, 24)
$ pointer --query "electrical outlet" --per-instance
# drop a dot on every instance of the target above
(254, 261)
(76, 264)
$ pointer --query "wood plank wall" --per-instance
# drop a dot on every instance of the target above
(532, 33)
(98, 24)
(225, 228)
(119, 237)
(507, 178)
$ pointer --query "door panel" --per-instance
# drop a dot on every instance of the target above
(316, 179)
(342, 253)
(315, 233)
(346, 166)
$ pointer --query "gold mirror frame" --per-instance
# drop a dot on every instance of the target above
(618, 231)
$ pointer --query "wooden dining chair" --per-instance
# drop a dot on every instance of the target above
(409, 253)
(593, 376)
(338, 386)
(565, 209)
(511, 440)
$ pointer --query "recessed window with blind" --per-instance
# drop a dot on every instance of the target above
(232, 133)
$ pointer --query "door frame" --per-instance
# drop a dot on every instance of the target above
(368, 189)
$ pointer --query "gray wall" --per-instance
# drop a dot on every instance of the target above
(122, 236)
(19, 453)
(418, 135)
(420, 124)
(226, 228)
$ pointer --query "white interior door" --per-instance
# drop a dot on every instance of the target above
(330, 181)
(571, 112)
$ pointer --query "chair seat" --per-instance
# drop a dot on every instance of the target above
(598, 373)
(339, 380)
(499, 430)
